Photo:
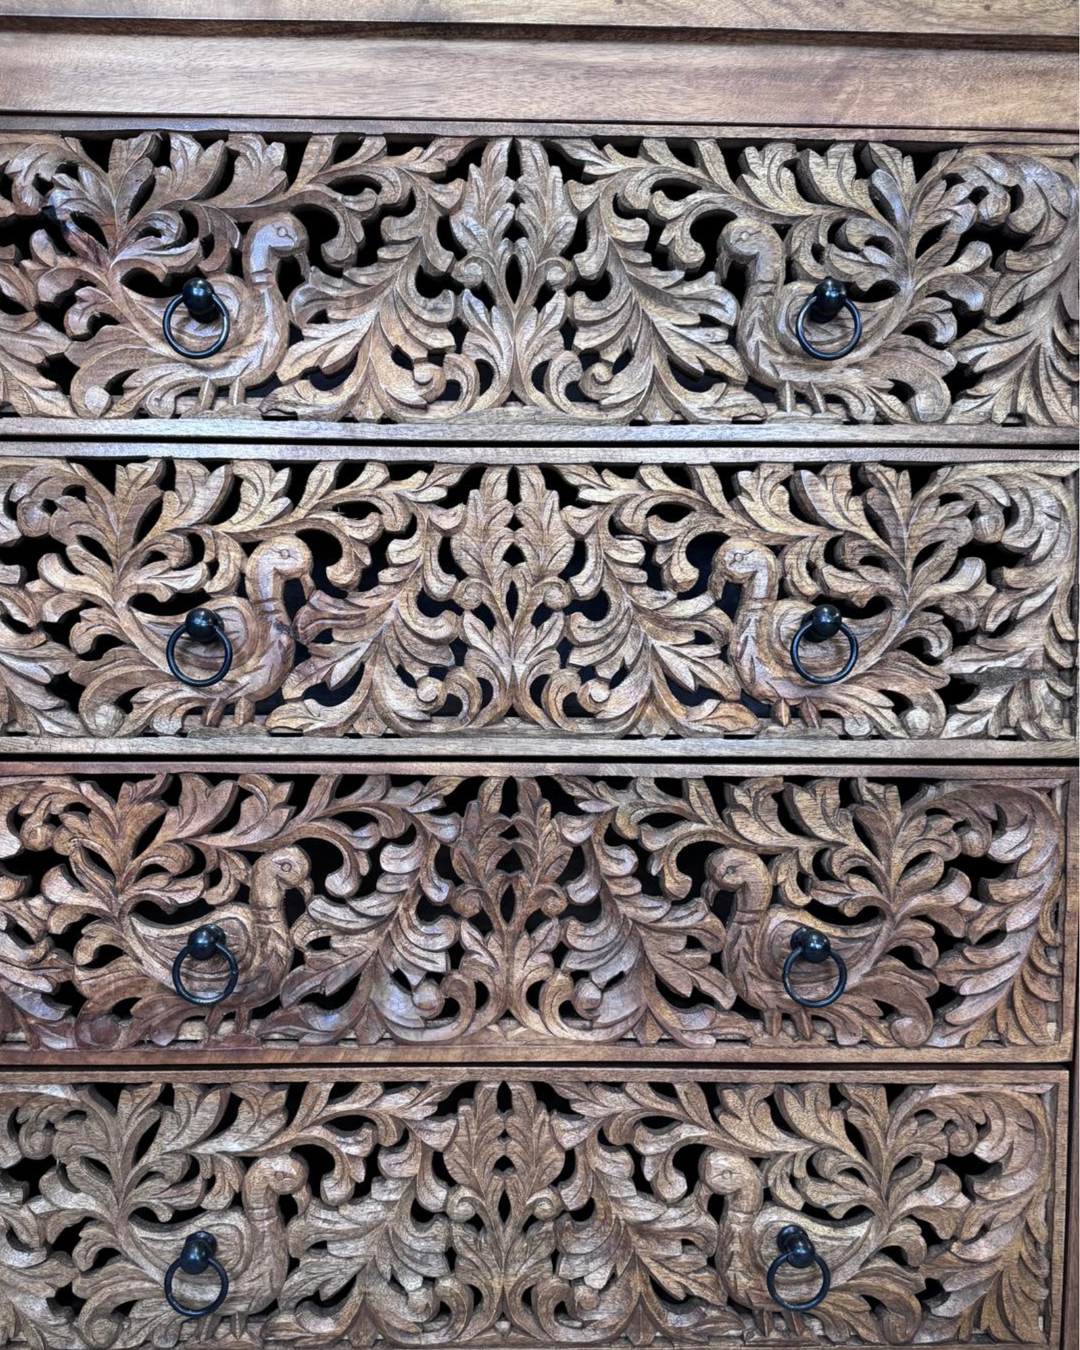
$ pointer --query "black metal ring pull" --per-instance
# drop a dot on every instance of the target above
(797, 1251)
(826, 301)
(201, 301)
(821, 623)
(197, 1255)
(815, 948)
(201, 625)
(205, 942)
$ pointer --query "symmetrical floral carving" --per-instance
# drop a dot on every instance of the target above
(372, 599)
(593, 280)
(517, 1212)
(525, 912)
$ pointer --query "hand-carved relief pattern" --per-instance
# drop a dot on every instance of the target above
(627, 280)
(484, 912)
(512, 1212)
(374, 599)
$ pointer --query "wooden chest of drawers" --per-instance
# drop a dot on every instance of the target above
(537, 677)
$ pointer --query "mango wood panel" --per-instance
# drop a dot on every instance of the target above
(914, 18)
(371, 599)
(538, 912)
(576, 281)
(718, 79)
(519, 1209)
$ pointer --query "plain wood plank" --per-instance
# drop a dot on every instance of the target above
(190, 435)
(958, 1077)
(1058, 144)
(1029, 776)
(1045, 18)
(537, 744)
(352, 1056)
(62, 445)
(640, 80)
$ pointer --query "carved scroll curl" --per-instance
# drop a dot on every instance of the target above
(366, 600)
(510, 1212)
(525, 913)
(582, 280)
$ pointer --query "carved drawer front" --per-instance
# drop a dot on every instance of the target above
(550, 597)
(584, 280)
(495, 912)
(512, 1208)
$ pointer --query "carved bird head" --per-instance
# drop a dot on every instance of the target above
(730, 868)
(728, 1173)
(277, 237)
(746, 240)
(287, 868)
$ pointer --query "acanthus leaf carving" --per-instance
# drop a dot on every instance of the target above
(502, 1209)
(535, 911)
(586, 279)
(631, 601)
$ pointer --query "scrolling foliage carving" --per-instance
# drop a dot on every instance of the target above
(506, 1212)
(372, 599)
(632, 280)
(555, 912)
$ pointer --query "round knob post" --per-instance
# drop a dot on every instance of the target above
(830, 297)
(199, 297)
(204, 942)
(196, 1252)
(201, 625)
(825, 622)
(197, 1255)
(820, 624)
(798, 1251)
(809, 945)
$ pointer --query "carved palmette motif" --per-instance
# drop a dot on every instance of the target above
(593, 280)
(509, 1211)
(366, 599)
(558, 912)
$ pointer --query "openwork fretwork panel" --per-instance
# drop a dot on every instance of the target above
(366, 599)
(509, 1211)
(554, 914)
(589, 280)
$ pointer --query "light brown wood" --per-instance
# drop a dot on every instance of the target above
(1017, 20)
(592, 482)
(640, 79)
(565, 1206)
(517, 321)
(456, 947)
(698, 442)
(538, 601)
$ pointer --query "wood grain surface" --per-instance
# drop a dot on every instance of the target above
(432, 913)
(640, 79)
(374, 600)
(1022, 19)
(558, 1206)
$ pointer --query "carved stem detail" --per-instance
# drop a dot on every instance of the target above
(532, 911)
(366, 599)
(508, 1211)
(582, 280)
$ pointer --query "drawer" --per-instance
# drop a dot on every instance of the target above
(587, 280)
(567, 597)
(493, 912)
(513, 1208)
